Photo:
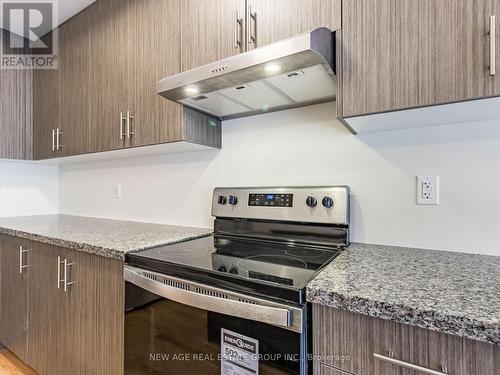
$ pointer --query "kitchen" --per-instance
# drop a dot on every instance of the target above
(188, 177)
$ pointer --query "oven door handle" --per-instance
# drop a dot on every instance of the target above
(214, 299)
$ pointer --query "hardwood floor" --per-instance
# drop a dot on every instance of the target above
(11, 365)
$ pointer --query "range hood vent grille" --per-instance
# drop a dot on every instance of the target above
(291, 73)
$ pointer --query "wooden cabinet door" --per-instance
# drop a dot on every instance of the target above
(15, 122)
(74, 84)
(46, 312)
(14, 295)
(45, 112)
(158, 53)
(274, 20)
(92, 328)
(15, 112)
(398, 54)
(348, 341)
(77, 331)
(113, 49)
(209, 30)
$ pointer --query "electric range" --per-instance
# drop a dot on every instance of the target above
(248, 278)
(260, 267)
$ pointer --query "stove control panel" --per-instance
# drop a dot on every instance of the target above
(323, 204)
(270, 200)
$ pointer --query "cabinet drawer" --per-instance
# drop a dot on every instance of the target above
(369, 346)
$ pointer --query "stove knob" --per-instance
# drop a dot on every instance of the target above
(327, 202)
(234, 271)
(222, 199)
(222, 269)
(233, 200)
(311, 201)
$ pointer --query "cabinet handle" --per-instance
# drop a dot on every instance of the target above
(59, 280)
(411, 366)
(21, 265)
(66, 283)
(58, 144)
(122, 120)
(492, 35)
(251, 39)
(129, 120)
(53, 139)
(238, 28)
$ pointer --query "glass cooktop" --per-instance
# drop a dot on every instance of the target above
(261, 267)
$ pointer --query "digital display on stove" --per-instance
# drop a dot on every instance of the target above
(270, 200)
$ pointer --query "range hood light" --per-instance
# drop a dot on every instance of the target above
(192, 90)
(273, 68)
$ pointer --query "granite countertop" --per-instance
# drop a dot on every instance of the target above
(110, 238)
(450, 292)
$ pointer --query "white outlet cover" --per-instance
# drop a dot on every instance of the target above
(428, 190)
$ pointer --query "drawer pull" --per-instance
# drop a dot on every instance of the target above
(411, 366)
(492, 34)
(22, 266)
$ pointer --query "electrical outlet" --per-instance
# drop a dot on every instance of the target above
(117, 191)
(428, 190)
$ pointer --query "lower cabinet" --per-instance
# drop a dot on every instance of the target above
(348, 343)
(14, 284)
(72, 310)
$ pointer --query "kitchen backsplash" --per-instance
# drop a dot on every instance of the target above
(308, 146)
(27, 189)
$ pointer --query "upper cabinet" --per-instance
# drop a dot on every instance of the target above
(400, 54)
(74, 86)
(211, 30)
(215, 29)
(158, 53)
(15, 112)
(113, 47)
(269, 21)
(103, 96)
(61, 109)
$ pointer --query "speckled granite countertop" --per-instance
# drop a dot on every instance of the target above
(110, 238)
(449, 292)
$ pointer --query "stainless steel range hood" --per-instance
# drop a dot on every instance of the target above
(291, 73)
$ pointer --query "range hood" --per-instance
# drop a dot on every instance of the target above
(291, 73)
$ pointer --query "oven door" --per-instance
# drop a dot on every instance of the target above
(175, 326)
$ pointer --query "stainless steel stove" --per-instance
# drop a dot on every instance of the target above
(248, 278)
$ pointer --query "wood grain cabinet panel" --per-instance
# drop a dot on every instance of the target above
(344, 341)
(45, 112)
(14, 295)
(113, 47)
(280, 19)
(15, 111)
(158, 54)
(74, 85)
(327, 370)
(78, 331)
(208, 31)
(397, 54)
(47, 310)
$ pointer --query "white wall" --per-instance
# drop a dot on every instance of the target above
(27, 189)
(309, 147)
